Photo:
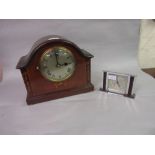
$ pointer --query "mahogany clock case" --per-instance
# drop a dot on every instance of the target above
(40, 89)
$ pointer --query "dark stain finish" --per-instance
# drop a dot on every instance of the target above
(40, 89)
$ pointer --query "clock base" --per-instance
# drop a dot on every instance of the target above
(126, 95)
(51, 96)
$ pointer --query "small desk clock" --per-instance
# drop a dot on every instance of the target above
(118, 83)
(54, 68)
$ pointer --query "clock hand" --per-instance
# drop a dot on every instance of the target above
(56, 56)
(65, 64)
(117, 82)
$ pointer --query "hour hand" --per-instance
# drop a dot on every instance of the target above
(65, 64)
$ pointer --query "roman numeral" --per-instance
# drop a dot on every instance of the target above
(48, 72)
(69, 69)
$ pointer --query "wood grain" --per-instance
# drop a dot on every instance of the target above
(40, 89)
(150, 71)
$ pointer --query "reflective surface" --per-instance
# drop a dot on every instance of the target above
(57, 64)
(117, 83)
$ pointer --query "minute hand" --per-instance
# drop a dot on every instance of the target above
(56, 56)
(117, 82)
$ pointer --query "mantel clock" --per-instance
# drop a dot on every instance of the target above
(54, 68)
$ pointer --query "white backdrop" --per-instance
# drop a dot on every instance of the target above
(114, 44)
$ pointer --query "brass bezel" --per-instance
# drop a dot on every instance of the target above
(47, 51)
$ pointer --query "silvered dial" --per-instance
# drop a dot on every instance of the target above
(57, 64)
(117, 83)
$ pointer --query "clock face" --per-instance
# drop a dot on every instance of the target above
(57, 64)
(117, 83)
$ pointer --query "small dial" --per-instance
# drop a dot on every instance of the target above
(117, 83)
(57, 64)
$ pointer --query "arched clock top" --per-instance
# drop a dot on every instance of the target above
(54, 68)
(25, 60)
